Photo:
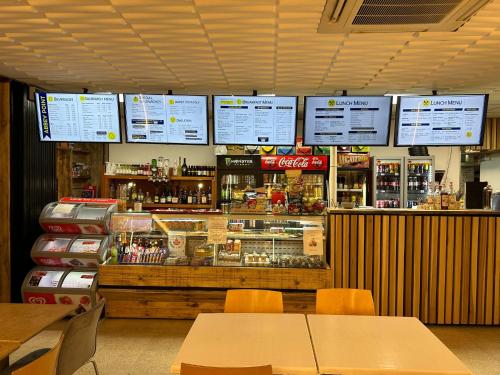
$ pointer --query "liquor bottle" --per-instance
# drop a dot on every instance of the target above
(163, 198)
(452, 205)
(175, 197)
(445, 198)
(437, 198)
(112, 191)
(184, 169)
(154, 168)
(179, 167)
(209, 195)
(190, 197)
(194, 198)
(157, 196)
(203, 198)
(140, 196)
(133, 194)
(169, 196)
(147, 198)
(175, 168)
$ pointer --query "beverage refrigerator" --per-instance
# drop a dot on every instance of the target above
(236, 172)
(419, 177)
(314, 169)
(354, 178)
(388, 182)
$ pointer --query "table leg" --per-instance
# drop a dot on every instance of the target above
(4, 362)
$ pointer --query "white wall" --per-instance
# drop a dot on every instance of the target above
(143, 153)
(490, 171)
(204, 155)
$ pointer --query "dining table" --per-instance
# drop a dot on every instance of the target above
(383, 345)
(19, 322)
(245, 340)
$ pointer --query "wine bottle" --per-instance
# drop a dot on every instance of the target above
(179, 167)
(184, 168)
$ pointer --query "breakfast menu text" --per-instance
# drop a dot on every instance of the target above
(78, 117)
(166, 119)
(347, 120)
(441, 120)
(255, 120)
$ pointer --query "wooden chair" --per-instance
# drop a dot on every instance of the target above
(45, 364)
(187, 369)
(253, 301)
(339, 301)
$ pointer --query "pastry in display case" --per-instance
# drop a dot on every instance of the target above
(250, 240)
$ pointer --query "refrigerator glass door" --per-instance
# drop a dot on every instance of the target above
(351, 186)
(419, 178)
(388, 183)
(231, 183)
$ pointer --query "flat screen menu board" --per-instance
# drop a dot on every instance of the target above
(454, 120)
(78, 117)
(177, 119)
(255, 120)
(347, 120)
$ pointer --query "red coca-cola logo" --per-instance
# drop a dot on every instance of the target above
(299, 162)
(294, 162)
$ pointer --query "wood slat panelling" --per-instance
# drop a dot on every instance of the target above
(5, 189)
(442, 269)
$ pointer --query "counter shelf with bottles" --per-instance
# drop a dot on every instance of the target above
(252, 241)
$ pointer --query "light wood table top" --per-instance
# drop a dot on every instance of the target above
(7, 347)
(243, 340)
(356, 345)
(20, 322)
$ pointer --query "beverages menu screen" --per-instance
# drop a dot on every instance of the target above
(347, 120)
(456, 120)
(78, 117)
(174, 119)
(255, 120)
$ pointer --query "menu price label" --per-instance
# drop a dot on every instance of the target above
(255, 120)
(347, 120)
(217, 230)
(313, 241)
(78, 117)
(166, 119)
(441, 120)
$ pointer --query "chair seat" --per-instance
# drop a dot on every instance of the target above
(28, 358)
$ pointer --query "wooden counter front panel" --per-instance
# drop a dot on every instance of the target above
(134, 276)
(185, 303)
(440, 269)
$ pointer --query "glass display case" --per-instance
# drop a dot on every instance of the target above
(244, 240)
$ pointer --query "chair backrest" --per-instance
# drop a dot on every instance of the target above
(79, 343)
(187, 369)
(253, 301)
(339, 301)
(43, 365)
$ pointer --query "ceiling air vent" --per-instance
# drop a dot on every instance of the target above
(365, 16)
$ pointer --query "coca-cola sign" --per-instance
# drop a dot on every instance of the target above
(305, 163)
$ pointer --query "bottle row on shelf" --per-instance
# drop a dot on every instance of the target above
(388, 168)
(388, 203)
(418, 168)
(160, 169)
(388, 185)
(168, 194)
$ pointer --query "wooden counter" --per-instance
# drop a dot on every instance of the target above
(442, 267)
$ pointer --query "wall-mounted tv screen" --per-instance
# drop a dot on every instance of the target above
(347, 120)
(255, 120)
(440, 120)
(78, 117)
(172, 119)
